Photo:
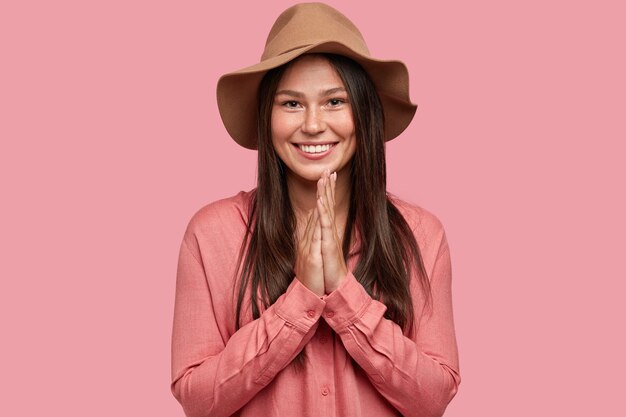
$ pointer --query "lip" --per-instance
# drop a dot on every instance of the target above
(315, 156)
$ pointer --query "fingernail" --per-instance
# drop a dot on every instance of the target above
(335, 176)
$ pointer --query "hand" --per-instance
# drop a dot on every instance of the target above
(309, 264)
(334, 265)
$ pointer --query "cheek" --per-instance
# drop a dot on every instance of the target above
(282, 127)
(347, 124)
(278, 140)
(350, 134)
(352, 149)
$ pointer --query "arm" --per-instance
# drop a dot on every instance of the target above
(420, 376)
(214, 377)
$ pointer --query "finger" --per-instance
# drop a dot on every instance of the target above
(326, 176)
(315, 248)
(329, 198)
(324, 184)
(329, 212)
(306, 236)
(320, 186)
(334, 183)
(314, 221)
(325, 220)
(330, 247)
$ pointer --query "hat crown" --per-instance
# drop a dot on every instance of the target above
(311, 23)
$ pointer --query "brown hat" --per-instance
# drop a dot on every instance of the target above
(308, 28)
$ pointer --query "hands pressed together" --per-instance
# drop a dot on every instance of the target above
(320, 265)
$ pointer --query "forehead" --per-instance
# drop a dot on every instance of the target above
(310, 72)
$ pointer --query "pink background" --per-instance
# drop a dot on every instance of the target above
(111, 140)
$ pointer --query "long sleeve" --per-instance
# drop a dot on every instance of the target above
(214, 377)
(419, 376)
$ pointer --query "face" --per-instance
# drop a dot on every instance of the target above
(312, 123)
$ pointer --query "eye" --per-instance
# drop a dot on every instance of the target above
(291, 104)
(335, 102)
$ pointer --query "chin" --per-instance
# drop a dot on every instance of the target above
(311, 174)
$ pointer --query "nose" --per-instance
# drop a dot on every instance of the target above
(313, 122)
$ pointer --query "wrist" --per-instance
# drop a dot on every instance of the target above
(332, 285)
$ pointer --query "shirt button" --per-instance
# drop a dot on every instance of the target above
(323, 339)
(325, 391)
(330, 314)
(311, 313)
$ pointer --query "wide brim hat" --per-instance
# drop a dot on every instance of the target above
(312, 28)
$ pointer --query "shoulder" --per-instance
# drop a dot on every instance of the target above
(427, 227)
(222, 218)
(419, 218)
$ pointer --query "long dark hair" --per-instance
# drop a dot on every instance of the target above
(389, 253)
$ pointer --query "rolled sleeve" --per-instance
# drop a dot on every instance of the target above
(346, 304)
(300, 306)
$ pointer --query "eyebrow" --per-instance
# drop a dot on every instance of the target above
(298, 94)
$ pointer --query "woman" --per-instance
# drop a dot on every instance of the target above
(352, 309)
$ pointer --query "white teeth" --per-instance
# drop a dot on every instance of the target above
(314, 148)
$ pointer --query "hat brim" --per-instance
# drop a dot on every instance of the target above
(237, 91)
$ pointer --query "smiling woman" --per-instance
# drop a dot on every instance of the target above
(318, 292)
(311, 123)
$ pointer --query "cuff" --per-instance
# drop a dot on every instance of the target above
(300, 306)
(346, 304)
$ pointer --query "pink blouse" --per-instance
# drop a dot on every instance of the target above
(358, 363)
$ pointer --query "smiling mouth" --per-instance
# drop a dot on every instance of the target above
(315, 149)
